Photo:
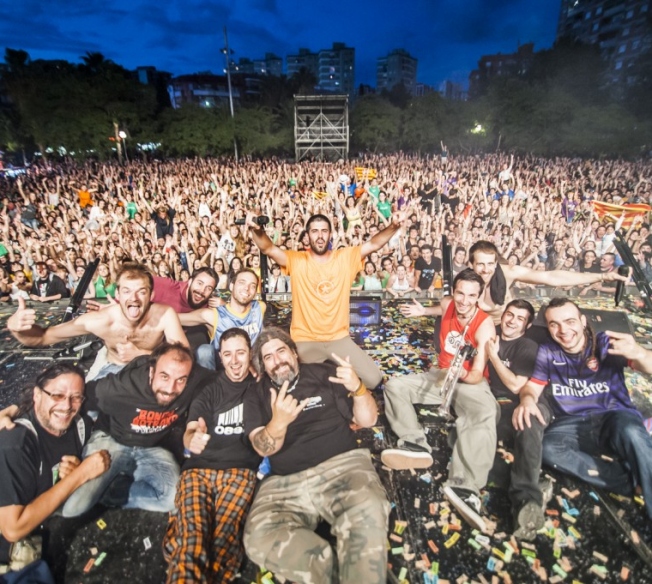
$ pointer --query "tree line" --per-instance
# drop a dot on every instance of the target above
(562, 105)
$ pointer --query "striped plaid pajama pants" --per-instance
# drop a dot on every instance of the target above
(203, 542)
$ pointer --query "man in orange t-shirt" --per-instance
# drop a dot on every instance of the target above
(321, 285)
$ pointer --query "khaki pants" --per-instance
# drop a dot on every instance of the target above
(477, 413)
(363, 364)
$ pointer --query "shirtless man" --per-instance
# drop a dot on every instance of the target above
(132, 327)
(498, 278)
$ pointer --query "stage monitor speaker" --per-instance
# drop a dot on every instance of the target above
(365, 311)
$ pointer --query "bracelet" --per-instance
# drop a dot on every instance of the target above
(187, 453)
(361, 390)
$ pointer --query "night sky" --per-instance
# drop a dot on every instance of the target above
(185, 36)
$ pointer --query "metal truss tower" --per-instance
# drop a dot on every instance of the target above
(321, 127)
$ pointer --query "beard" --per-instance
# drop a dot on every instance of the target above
(195, 305)
(287, 374)
(319, 250)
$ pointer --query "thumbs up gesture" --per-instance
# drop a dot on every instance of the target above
(23, 319)
(196, 436)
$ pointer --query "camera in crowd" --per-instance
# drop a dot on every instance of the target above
(261, 221)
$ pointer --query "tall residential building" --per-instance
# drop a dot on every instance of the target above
(397, 67)
(333, 68)
(498, 65)
(304, 59)
(453, 91)
(621, 28)
(202, 89)
(337, 69)
(269, 65)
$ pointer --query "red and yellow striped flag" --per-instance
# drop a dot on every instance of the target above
(612, 213)
(363, 173)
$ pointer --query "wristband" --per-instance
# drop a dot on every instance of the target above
(362, 389)
(186, 453)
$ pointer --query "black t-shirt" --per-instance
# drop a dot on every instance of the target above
(51, 286)
(428, 271)
(451, 200)
(29, 463)
(129, 412)
(322, 429)
(220, 404)
(165, 225)
(518, 355)
(427, 192)
(594, 269)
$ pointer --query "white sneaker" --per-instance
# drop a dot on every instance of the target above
(407, 456)
(468, 504)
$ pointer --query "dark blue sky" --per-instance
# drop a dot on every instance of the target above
(185, 36)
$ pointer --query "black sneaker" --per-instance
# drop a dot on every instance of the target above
(408, 455)
(468, 504)
(528, 521)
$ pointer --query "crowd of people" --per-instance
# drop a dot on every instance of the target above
(178, 216)
(160, 431)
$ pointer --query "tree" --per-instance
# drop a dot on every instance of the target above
(375, 124)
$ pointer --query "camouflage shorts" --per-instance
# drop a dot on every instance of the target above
(346, 492)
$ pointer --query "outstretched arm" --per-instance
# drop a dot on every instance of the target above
(382, 237)
(266, 246)
(22, 326)
(559, 277)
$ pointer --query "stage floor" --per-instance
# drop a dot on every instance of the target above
(425, 539)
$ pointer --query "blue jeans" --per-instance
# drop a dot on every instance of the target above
(206, 356)
(154, 471)
(574, 445)
(102, 366)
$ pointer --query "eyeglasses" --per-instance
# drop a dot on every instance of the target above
(60, 397)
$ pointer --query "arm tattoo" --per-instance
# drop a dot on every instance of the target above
(264, 442)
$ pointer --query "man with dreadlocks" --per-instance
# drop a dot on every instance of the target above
(581, 375)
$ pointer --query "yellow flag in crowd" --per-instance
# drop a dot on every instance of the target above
(363, 173)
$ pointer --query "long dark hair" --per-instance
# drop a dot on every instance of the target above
(26, 400)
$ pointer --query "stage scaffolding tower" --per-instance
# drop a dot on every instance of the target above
(321, 127)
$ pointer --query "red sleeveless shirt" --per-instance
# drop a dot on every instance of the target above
(450, 336)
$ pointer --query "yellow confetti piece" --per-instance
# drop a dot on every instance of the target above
(452, 540)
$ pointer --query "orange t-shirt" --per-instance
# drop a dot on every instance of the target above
(320, 294)
(85, 199)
